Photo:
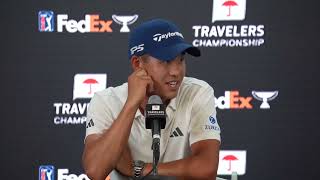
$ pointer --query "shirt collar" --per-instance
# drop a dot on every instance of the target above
(172, 104)
(138, 114)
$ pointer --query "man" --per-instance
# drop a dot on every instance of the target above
(117, 140)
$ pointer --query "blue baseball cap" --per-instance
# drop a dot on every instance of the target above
(161, 39)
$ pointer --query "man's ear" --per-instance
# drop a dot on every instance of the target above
(135, 62)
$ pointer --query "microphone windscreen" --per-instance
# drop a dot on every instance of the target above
(154, 99)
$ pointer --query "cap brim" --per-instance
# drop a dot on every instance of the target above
(171, 52)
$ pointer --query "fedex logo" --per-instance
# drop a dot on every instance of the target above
(46, 172)
(91, 23)
(63, 174)
(232, 100)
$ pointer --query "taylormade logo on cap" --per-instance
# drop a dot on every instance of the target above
(159, 37)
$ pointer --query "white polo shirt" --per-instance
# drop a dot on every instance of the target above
(191, 117)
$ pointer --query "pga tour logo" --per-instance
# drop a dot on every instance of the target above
(228, 10)
(46, 172)
(46, 21)
(85, 85)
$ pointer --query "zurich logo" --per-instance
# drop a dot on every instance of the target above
(212, 120)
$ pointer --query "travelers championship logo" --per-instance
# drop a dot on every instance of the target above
(228, 34)
(228, 10)
(84, 87)
(86, 84)
(232, 161)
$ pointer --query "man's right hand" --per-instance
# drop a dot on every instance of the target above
(139, 83)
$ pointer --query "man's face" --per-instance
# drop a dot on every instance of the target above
(167, 76)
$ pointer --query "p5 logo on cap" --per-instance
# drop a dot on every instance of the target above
(138, 48)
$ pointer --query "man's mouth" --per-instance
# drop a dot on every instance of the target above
(172, 84)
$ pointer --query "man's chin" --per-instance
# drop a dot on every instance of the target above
(150, 93)
(167, 97)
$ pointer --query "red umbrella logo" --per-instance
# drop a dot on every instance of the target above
(90, 82)
(230, 158)
(229, 4)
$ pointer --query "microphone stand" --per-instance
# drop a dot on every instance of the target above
(155, 120)
(156, 152)
(156, 149)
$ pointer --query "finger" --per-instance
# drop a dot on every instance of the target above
(141, 72)
(145, 77)
(139, 69)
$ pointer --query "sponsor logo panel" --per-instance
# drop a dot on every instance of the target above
(90, 23)
(85, 85)
(227, 33)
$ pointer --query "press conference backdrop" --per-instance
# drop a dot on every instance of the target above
(259, 56)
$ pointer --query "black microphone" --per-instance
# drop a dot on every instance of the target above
(155, 120)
